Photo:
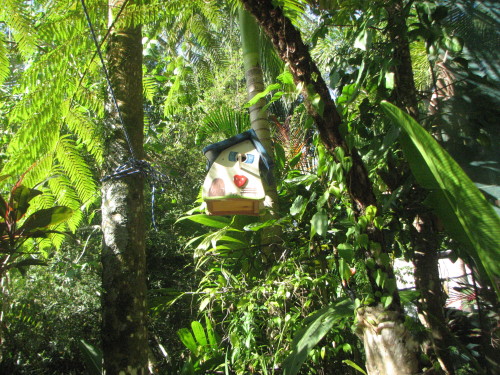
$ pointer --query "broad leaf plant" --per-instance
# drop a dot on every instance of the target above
(16, 229)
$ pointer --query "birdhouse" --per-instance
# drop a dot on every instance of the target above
(236, 166)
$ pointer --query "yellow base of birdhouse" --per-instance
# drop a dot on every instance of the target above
(234, 206)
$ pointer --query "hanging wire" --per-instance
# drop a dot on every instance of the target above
(133, 166)
(108, 80)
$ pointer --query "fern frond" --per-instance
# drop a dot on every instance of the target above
(4, 61)
(89, 133)
(170, 104)
(17, 19)
(77, 169)
(29, 145)
(40, 172)
(150, 87)
(66, 195)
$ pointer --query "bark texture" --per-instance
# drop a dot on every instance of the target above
(254, 76)
(432, 301)
(404, 93)
(290, 47)
(424, 236)
(124, 334)
(389, 347)
(292, 50)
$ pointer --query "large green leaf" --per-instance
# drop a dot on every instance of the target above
(92, 357)
(199, 333)
(212, 339)
(319, 223)
(46, 217)
(20, 197)
(354, 366)
(466, 214)
(316, 327)
(188, 340)
(208, 220)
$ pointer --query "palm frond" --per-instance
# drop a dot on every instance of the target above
(223, 122)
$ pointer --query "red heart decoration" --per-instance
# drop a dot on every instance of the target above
(240, 180)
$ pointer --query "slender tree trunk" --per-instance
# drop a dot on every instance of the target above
(124, 334)
(404, 93)
(389, 347)
(425, 236)
(249, 31)
(292, 50)
(428, 282)
(388, 323)
(250, 41)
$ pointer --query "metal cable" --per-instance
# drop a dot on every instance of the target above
(133, 165)
(108, 80)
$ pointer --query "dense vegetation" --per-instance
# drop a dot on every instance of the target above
(384, 122)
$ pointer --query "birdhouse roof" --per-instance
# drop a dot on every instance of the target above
(266, 163)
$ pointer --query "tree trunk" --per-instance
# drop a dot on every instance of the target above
(432, 298)
(389, 347)
(404, 93)
(124, 334)
(292, 50)
(290, 47)
(424, 238)
(250, 41)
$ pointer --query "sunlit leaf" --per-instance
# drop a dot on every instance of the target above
(262, 94)
(20, 198)
(319, 223)
(199, 333)
(188, 340)
(257, 226)
(208, 220)
(46, 217)
(465, 213)
(354, 366)
(363, 40)
(92, 357)
(212, 339)
(316, 327)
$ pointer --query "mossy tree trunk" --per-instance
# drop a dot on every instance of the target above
(124, 333)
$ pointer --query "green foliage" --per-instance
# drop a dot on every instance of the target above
(223, 122)
(259, 301)
(266, 301)
(354, 366)
(463, 209)
(15, 229)
(49, 310)
(53, 101)
(93, 358)
(205, 348)
(316, 327)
